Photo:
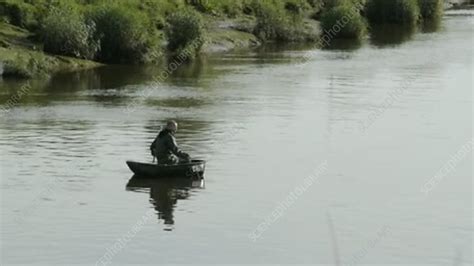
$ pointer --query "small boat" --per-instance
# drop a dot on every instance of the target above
(192, 169)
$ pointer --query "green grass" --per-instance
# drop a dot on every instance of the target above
(24, 63)
(23, 58)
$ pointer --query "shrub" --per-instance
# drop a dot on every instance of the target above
(185, 30)
(275, 24)
(232, 8)
(229, 7)
(316, 6)
(393, 11)
(156, 10)
(344, 21)
(16, 70)
(271, 21)
(125, 35)
(431, 9)
(328, 4)
(18, 13)
(297, 7)
(64, 32)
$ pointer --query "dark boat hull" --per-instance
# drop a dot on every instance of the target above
(193, 169)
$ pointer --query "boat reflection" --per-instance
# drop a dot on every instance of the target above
(165, 193)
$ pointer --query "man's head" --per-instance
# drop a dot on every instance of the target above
(172, 126)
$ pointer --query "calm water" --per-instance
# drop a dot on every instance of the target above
(385, 115)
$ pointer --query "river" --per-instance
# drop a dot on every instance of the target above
(361, 154)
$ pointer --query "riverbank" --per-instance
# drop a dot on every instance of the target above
(46, 37)
(227, 34)
(20, 57)
(23, 55)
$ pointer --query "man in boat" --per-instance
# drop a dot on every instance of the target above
(164, 147)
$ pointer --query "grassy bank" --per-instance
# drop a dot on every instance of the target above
(137, 32)
(44, 36)
(21, 57)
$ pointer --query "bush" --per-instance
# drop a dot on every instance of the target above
(125, 35)
(271, 22)
(228, 7)
(232, 8)
(431, 9)
(18, 13)
(275, 24)
(156, 10)
(393, 11)
(16, 70)
(316, 5)
(344, 21)
(297, 7)
(185, 30)
(64, 32)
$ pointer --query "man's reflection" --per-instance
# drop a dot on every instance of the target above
(165, 193)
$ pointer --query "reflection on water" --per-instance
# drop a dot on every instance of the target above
(165, 193)
(390, 35)
(343, 44)
(430, 26)
(102, 78)
(192, 70)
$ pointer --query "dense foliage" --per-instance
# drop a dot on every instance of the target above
(229, 7)
(431, 9)
(393, 11)
(132, 31)
(334, 3)
(124, 34)
(18, 13)
(344, 21)
(64, 31)
(278, 21)
(185, 31)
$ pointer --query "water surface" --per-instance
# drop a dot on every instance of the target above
(385, 117)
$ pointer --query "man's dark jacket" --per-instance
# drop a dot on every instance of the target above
(165, 149)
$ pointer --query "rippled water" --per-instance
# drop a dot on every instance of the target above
(386, 116)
